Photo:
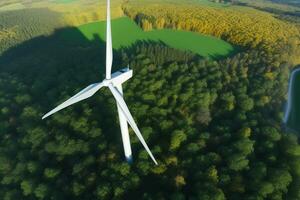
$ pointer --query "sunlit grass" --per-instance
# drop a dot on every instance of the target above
(126, 32)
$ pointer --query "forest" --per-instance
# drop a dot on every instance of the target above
(215, 126)
(238, 25)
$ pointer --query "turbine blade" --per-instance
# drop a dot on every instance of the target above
(130, 119)
(109, 50)
(83, 94)
(124, 129)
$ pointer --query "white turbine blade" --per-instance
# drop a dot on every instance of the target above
(109, 50)
(83, 94)
(130, 119)
(124, 129)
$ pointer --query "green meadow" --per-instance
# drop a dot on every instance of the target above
(125, 33)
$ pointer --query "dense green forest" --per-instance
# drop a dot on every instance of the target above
(242, 26)
(214, 126)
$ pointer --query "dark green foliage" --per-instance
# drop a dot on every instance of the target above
(214, 126)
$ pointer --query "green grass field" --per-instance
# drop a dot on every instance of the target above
(126, 32)
(294, 117)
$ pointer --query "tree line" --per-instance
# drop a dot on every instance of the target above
(242, 26)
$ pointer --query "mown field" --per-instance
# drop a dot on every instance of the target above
(126, 32)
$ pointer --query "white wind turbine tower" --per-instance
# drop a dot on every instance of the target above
(114, 83)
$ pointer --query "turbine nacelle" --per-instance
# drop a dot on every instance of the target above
(118, 77)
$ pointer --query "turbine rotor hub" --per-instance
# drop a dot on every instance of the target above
(106, 82)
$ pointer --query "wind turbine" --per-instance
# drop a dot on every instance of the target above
(114, 83)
